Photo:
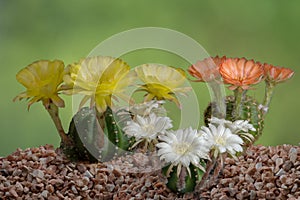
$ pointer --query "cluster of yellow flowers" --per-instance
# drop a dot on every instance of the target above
(100, 79)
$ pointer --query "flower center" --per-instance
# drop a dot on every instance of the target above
(221, 141)
(181, 148)
(159, 90)
(148, 128)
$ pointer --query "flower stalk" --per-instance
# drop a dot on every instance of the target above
(220, 109)
(238, 94)
(269, 90)
(274, 75)
(54, 113)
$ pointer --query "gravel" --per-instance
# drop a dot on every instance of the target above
(44, 173)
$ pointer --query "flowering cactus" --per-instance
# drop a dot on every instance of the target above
(241, 74)
(102, 130)
(100, 79)
(250, 111)
(186, 151)
(93, 133)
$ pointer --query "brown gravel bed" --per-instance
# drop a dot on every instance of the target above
(44, 173)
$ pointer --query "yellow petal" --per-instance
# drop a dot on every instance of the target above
(98, 78)
(42, 79)
(161, 82)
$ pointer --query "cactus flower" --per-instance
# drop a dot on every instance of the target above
(222, 139)
(277, 74)
(147, 128)
(207, 69)
(274, 75)
(241, 125)
(241, 73)
(217, 121)
(182, 148)
(146, 108)
(161, 82)
(99, 79)
(42, 79)
(235, 127)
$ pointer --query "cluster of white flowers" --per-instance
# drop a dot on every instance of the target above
(186, 146)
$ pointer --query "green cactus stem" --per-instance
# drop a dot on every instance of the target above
(118, 142)
(87, 135)
(249, 110)
(184, 182)
(93, 140)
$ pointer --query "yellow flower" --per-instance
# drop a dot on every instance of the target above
(42, 79)
(161, 82)
(99, 79)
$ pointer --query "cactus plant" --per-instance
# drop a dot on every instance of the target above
(250, 111)
(92, 142)
(118, 141)
(185, 182)
(186, 151)
(86, 133)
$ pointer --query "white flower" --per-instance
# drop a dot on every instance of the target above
(235, 127)
(146, 108)
(182, 147)
(222, 139)
(242, 125)
(147, 128)
(126, 114)
(217, 121)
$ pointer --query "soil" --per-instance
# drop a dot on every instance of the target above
(44, 173)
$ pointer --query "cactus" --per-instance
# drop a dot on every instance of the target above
(94, 140)
(250, 111)
(85, 131)
(117, 141)
(184, 182)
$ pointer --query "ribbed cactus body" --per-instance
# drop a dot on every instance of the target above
(184, 182)
(250, 111)
(94, 140)
(85, 131)
(116, 141)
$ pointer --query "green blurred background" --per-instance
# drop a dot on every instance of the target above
(267, 31)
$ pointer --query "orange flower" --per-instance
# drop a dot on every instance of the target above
(240, 72)
(277, 74)
(207, 69)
